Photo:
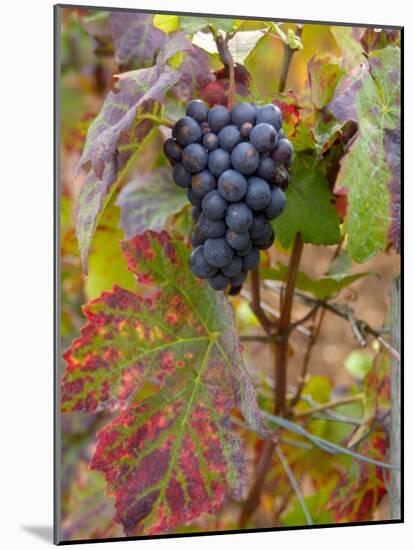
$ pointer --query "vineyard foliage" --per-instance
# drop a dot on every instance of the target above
(167, 405)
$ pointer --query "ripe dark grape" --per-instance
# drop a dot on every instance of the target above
(263, 236)
(232, 185)
(234, 267)
(187, 131)
(214, 206)
(264, 244)
(218, 118)
(195, 214)
(245, 158)
(211, 228)
(245, 251)
(193, 198)
(172, 150)
(257, 194)
(239, 217)
(283, 154)
(197, 110)
(258, 227)
(219, 281)
(239, 279)
(218, 162)
(270, 114)
(181, 176)
(276, 204)
(229, 137)
(263, 137)
(195, 240)
(199, 266)
(251, 260)
(217, 252)
(233, 166)
(238, 241)
(243, 112)
(195, 158)
(281, 175)
(245, 129)
(210, 141)
(202, 183)
(267, 168)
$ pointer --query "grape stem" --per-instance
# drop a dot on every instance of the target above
(287, 58)
(222, 43)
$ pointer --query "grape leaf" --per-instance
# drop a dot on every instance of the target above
(376, 39)
(195, 74)
(148, 201)
(118, 132)
(243, 43)
(309, 209)
(167, 23)
(324, 75)
(106, 264)
(343, 104)
(136, 40)
(392, 151)
(321, 288)
(360, 490)
(194, 24)
(172, 455)
(348, 39)
(367, 171)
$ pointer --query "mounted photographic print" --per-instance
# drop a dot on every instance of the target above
(228, 257)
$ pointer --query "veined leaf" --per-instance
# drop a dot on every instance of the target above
(360, 490)
(321, 288)
(106, 263)
(171, 456)
(370, 170)
(324, 75)
(194, 24)
(243, 43)
(136, 39)
(148, 201)
(309, 209)
(120, 129)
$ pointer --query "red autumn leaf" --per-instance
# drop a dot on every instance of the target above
(288, 104)
(360, 491)
(170, 456)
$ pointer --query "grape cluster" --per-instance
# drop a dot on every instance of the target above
(234, 166)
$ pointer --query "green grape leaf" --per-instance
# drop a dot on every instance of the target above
(324, 75)
(309, 209)
(321, 288)
(148, 201)
(195, 24)
(166, 23)
(370, 169)
(348, 40)
(106, 263)
(171, 455)
(126, 120)
(243, 43)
